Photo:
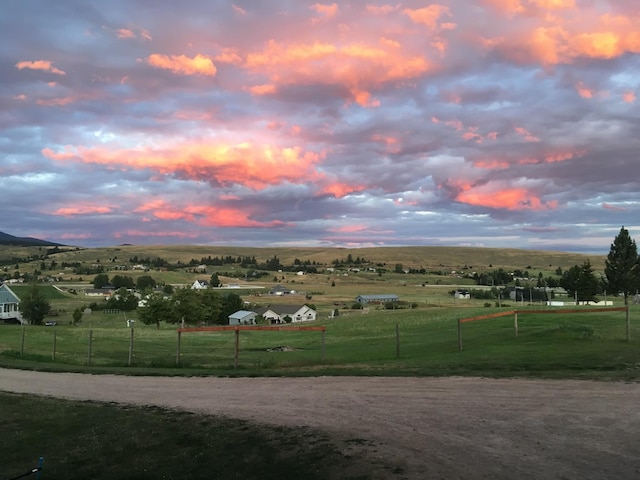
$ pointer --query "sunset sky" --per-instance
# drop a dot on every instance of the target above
(495, 123)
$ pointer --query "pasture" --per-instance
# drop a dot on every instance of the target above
(383, 342)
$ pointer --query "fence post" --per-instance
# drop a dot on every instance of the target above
(515, 321)
(90, 344)
(236, 349)
(130, 347)
(22, 343)
(178, 348)
(628, 323)
(459, 335)
(397, 340)
(53, 355)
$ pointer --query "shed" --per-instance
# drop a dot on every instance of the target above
(385, 298)
(242, 317)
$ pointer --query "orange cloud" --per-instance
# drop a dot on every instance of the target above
(349, 65)
(205, 215)
(252, 165)
(629, 97)
(82, 210)
(43, 65)
(228, 55)
(263, 89)
(340, 190)
(125, 33)
(181, 64)
(492, 196)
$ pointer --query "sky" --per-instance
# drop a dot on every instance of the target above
(489, 123)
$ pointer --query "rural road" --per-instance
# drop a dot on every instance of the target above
(449, 428)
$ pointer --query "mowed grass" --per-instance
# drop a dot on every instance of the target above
(82, 440)
(382, 342)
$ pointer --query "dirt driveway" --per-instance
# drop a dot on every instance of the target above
(447, 428)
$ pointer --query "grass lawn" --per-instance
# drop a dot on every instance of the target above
(82, 440)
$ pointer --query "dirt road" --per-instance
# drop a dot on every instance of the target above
(446, 428)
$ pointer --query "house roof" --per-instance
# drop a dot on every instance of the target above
(240, 314)
(7, 295)
(280, 309)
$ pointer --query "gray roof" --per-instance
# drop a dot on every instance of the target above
(7, 295)
(378, 297)
(240, 314)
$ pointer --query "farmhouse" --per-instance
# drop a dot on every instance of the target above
(9, 302)
(462, 294)
(242, 317)
(279, 290)
(294, 313)
(199, 285)
(386, 298)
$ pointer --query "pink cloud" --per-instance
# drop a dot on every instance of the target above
(43, 65)
(528, 136)
(629, 97)
(427, 16)
(328, 11)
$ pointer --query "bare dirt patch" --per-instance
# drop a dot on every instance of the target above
(419, 428)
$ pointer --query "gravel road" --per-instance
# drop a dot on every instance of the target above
(447, 428)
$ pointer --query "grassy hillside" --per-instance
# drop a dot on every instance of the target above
(410, 257)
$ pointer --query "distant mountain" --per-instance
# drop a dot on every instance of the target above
(6, 239)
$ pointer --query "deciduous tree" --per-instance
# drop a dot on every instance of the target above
(34, 306)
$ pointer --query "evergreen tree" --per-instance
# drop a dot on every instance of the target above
(588, 285)
(622, 269)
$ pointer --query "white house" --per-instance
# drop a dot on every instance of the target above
(242, 317)
(199, 285)
(280, 313)
(9, 306)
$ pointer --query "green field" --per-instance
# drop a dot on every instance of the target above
(382, 342)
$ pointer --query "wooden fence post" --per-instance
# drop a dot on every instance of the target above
(90, 344)
(237, 348)
(628, 323)
(22, 343)
(178, 348)
(515, 322)
(130, 347)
